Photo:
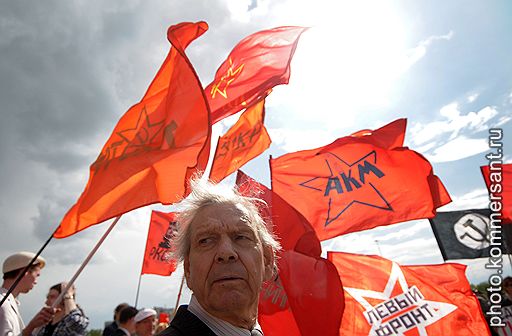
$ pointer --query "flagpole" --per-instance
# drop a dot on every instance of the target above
(86, 261)
(378, 247)
(179, 295)
(138, 288)
(22, 274)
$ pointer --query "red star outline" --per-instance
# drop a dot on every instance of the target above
(136, 142)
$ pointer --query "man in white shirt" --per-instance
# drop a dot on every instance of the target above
(11, 323)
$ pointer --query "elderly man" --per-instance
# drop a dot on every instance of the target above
(11, 322)
(145, 322)
(227, 253)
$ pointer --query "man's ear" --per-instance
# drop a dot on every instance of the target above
(268, 259)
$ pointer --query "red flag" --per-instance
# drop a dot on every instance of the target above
(155, 142)
(244, 141)
(498, 179)
(274, 313)
(287, 223)
(384, 298)
(359, 182)
(157, 257)
(312, 288)
(256, 64)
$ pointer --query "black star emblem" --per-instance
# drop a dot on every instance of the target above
(348, 184)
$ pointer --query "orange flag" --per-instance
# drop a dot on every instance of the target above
(256, 64)
(244, 141)
(384, 298)
(498, 180)
(157, 257)
(155, 142)
(359, 182)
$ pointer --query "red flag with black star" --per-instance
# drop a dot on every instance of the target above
(359, 182)
(256, 64)
(244, 141)
(312, 288)
(153, 146)
(158, 253)
(384, 298)
(498, 179)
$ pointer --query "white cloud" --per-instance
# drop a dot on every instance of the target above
(451, 138)
(458, 148)
(475, 199)
(415, 54)
(472, 97)
(291, 140)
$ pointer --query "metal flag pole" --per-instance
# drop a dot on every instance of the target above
(378, 247)
(142, 267)
(179, 295)
(86, 261)
(22, 274)
(138, 288)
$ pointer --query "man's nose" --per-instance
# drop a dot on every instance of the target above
(226, 252)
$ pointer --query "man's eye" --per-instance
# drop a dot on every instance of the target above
(205, 241)
(242, 237)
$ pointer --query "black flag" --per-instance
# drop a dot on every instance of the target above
(466, 234)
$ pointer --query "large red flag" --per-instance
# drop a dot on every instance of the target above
(498, 180)
(359, 182)
(244, 141)
(152, 147)
(158, 254)
(384, 298)
(312, 288)
(256, 64)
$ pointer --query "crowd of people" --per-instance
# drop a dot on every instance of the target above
(227, 252)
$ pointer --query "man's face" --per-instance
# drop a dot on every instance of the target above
(51, 297)
(145, 327)
(227, 264)
(29, 280)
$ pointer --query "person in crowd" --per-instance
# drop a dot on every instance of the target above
(109, 329)
(11, 322)
(227, 252)
(507, 291)
(145, 322)
(126, 322)
(161, 327)
(69, 320)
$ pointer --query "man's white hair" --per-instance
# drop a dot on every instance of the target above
(206, 193)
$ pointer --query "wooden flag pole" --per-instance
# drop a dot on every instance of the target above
(86, 261)
(22, 273)
(179, 295)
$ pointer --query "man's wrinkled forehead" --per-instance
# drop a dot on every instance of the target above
(223, 216)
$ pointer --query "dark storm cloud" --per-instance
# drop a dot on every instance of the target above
(68, 71)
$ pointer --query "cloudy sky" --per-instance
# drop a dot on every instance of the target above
(70, 69)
